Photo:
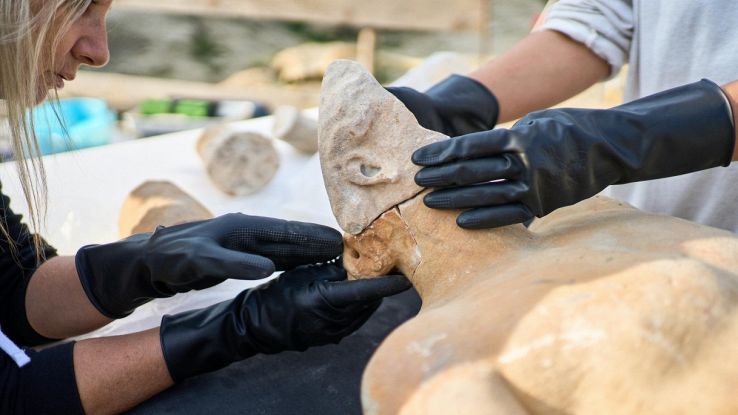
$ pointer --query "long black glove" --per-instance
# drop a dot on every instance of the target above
(457, 105)
(559, 157)
(120, 276)
(309, 306)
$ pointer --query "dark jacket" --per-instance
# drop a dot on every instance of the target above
(47, 384)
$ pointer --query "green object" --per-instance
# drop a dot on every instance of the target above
(156, 106)
(193, 108)
(201, 108)
(189, 107)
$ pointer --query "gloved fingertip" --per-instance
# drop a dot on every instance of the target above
(264, 267)
(474, 222)
(269, 270)
(494, 217)
(315, 235)
(419, 178)
(436, 200)
(354, 293)
(428, 178)
(325, 232)
(424, 157)
(332, 272)
(393, 284)
(401, 282)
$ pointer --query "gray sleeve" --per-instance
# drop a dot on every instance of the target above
(604, 26)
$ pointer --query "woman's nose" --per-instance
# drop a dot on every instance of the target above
(92, 47)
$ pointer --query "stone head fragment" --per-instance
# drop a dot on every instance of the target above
(366, 139)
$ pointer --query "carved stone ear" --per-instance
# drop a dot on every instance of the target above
(362, 171)
(366, 257)
(386, 246)
(366, 139)
(369, 254)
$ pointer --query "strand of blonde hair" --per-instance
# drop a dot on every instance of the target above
(28, 40)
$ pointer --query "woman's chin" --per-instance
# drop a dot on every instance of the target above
(41, 95)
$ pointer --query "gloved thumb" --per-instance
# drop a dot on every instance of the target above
(226, 263)
(346, 293)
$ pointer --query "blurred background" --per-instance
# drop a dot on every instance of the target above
(287, 54)
(183, 64)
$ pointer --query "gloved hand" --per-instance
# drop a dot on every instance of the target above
(559, 157)
(120, 276)
(309, 306)
(457, 105)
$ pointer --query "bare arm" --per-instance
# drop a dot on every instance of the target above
(731, 90)
(113, 373)
(117, 373)
(56, 304)
(542, 70)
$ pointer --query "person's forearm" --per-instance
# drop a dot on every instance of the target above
(542, 70)
(731, 91)
(117, 373)
(56, 304)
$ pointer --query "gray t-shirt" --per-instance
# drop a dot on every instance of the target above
(666, 43)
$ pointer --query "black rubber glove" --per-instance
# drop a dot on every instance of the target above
(120, 276)
(559, 157)
(457, 105)
(309, 306)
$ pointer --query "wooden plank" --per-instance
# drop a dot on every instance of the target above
(124, 92)
(366, 46)
(433, 15)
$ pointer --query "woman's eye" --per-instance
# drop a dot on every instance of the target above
(93, 3)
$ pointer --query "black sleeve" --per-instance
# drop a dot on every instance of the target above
(46, 385)
(17, 265)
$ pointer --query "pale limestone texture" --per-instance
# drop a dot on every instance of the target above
(598, 308)
(309, 60)
(292, 126)
(367, 177)
(238, 163)
(155, 203)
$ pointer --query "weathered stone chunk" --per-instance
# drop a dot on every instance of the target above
(155, 203)
(362, 128)
(238, 163)
(292, 126)
(597, 308)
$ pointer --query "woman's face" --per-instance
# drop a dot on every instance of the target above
(85, 43)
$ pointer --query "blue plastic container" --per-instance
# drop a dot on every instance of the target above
(88, 123)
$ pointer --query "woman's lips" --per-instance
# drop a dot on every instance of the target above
(60, 79)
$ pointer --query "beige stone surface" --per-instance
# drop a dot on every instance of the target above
(155, 203)
(598, 308)
(310, 60)
(292, 126)
(364, 178)
(238, 163)
(125, 92)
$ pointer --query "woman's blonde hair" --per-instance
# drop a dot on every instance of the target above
(30, 31)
